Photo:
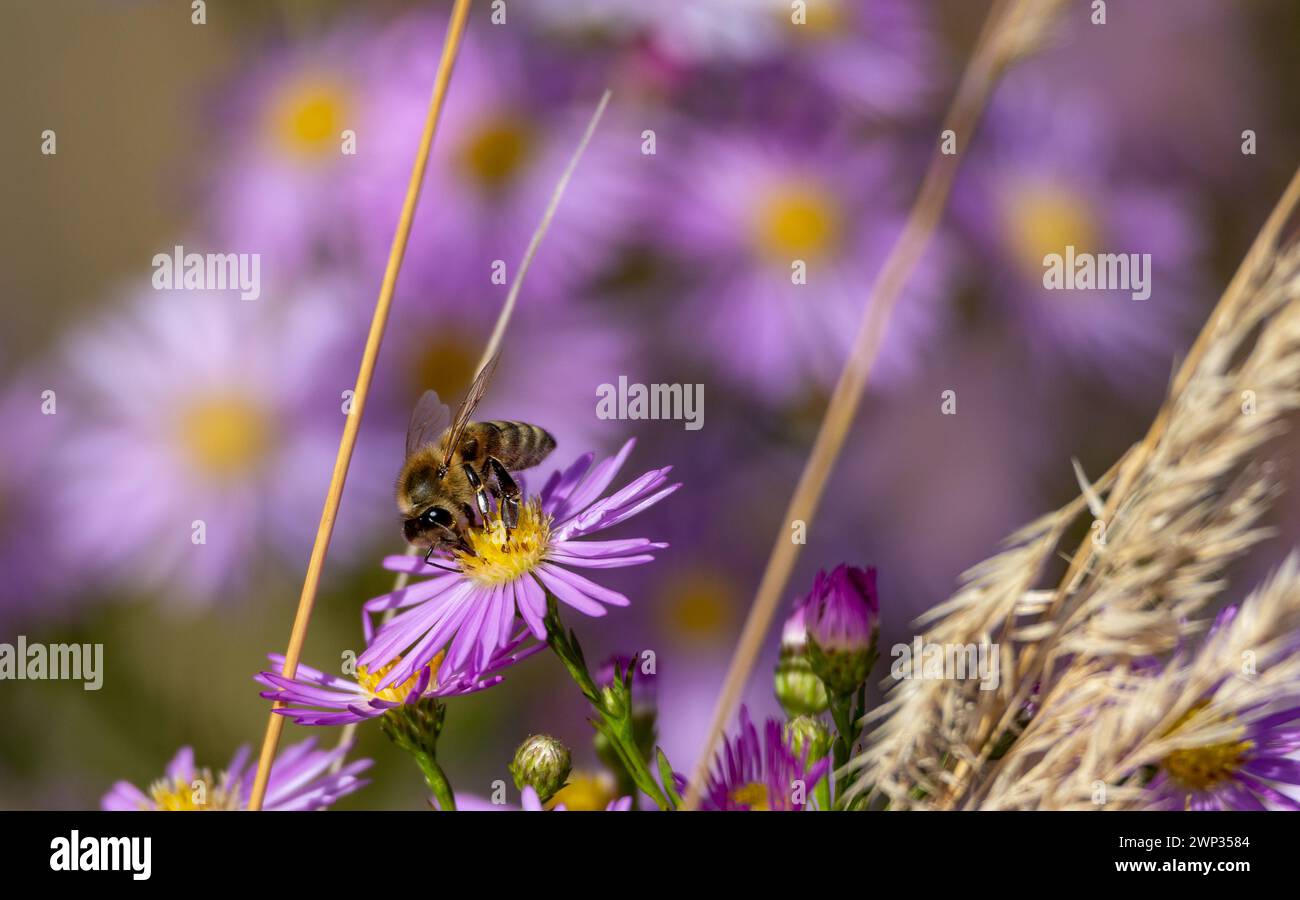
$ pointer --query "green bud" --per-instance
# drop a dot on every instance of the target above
(842, 671)
(811, 734)
(542, 763)
(798, 689)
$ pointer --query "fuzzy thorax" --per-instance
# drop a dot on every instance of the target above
(500, 556)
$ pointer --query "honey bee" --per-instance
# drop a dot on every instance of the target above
(453, 465)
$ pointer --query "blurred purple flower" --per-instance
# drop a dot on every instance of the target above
(302, 778)
(1045, 173)
(540, 378)
(511, 574)
(203, 428)
(876, 55)
(288, 190)
(315, 698)
(745, 213)
(764, 774)
(33, 535)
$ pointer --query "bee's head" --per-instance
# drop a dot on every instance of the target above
(433, 526)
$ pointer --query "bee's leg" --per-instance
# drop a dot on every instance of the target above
(432, 547)
(480, 492)
(509, 492)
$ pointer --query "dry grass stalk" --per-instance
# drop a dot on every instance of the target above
(1179, 507)
(1013, 29)
(378, 322)
(1106, 732)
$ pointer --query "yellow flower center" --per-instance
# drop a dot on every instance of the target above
(699, 604)
(444, 363)
(822, 19)
(396, 693)
(497, 151)
(306, 116)
(1200, 768)
(500, 556)
(753, 795)
(797, 221)
(224, 435)
(1046, 218)
(201, 793)
(585, 792)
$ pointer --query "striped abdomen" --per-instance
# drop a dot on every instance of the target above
(517, 445)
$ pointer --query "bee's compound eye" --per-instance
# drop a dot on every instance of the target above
(434, 516)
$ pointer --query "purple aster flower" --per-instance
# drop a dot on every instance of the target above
(761, 774)
(472, 610)
(746, 214)
(302, 778)
(1244, 772)
(1255, 768)
(1046, 173)
(316, 698)
(200, 430)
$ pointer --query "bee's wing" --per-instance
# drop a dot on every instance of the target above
(467, 406)
(429, 420)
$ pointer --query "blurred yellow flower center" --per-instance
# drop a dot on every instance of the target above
(444, 362)
(500, 556)
(307, 116)
(201, 793)
(1200, 768)
(753, 795)
(798, 221)
(823, 18)
(699, 604)
(497, 151)
(396, 693)
(224, 435)
(1045, 219)
(584, 792)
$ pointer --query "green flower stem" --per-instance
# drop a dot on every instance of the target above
(847, 711)
(416, 729)
(437, 781)
(823, 793)
(613, 707)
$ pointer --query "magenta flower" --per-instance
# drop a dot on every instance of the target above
(315, 698)
(302, 778)
(472, 610)
(842, 614)
(842, 611)
(764, 774)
